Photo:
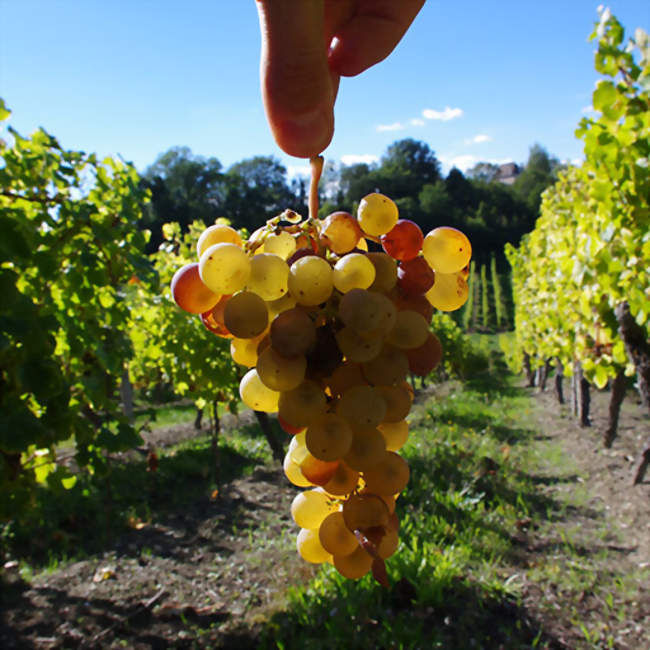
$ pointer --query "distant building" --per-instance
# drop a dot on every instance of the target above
(507, 173)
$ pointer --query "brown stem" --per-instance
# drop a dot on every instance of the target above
(316, 164)
(615, 401)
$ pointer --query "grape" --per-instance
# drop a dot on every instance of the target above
(269, 276)
(410, 331)
(256, 395)
(353, 271)
(450, 292)
(287, 301)
(189, 292)
(278, 372)
(281, 244)
(319, 472)
(414, 302)
(395, 434)
(368, 447)
(293, 332)
(348, 374)
(244, 351)
(377, 214)
(367, 312)
(329, 437)
(389, 367)
(335, 536)
(398, 402)
(340, 232)
(310, 280)
(214, 319)
(363, 511)
(415, 277)
(446, 249)
(385, 271)
(343, 482)
(218, 233)
(388, 476)
(324, 356)
(224, 268)
(310, 548)
(293, 473)
(245, 315)
(362, 406)
(357, 348)
(404, 241)
(302, 405)
(355, 565)
(384, 538)
(310, 507)
(423, 359)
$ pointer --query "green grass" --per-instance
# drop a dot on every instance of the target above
(470, 485)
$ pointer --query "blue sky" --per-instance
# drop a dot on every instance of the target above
(475, 80)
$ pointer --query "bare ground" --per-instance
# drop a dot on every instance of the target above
(210, 575)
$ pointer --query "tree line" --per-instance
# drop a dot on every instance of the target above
(185, 187)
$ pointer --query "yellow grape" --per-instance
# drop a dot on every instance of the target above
(446, 250)
(276, 307)
(388, 543)
(224, 268)
(256, 395)
(368, 446)
(310, 280)
(363, 511)
(310, 507)
(367, 312)
(353, 271)
(353, 566)
(218, 233)
(357, 348)
(395, 434)
(410, 331)
(310, 548)
(244, 351)
(388, 476)
(340, 232)
(345, 376)
(335, 537)
(377, 214)
(269, 276)
(278, 372)
(398, 402)
(293, 473)
(385, 271)
(389, 367)
(293, 332)
(343, 482)
(245, 315)
(329, 437)
(449, 291)
(300, 406)
(281, 244)
(362, 406)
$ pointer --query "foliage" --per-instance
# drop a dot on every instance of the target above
(590, 249)
(172, 346)
(460, 358)
(69, 247)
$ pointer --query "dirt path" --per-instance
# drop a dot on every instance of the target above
(208, 575)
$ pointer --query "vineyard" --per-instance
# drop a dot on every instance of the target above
(516, 392)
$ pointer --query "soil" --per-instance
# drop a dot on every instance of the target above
(210, 575)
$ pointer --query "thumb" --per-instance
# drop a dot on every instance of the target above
(298, 88)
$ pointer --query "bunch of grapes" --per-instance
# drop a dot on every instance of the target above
(329, 331)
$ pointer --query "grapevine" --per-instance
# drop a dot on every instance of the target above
(329, 317)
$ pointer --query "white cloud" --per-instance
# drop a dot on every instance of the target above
(416, 121)
(353, 159)
(462, 162)
(298, 170)
(587, 109)
(481, 137)
(396, 126)
(444, 115)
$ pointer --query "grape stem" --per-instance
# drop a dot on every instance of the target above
(316, 164)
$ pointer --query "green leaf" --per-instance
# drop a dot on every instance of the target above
(4, 111)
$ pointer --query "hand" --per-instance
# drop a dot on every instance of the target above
(307, 45)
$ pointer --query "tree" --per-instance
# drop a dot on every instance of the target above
(483, 171)
(539, 172)
(184, 187)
